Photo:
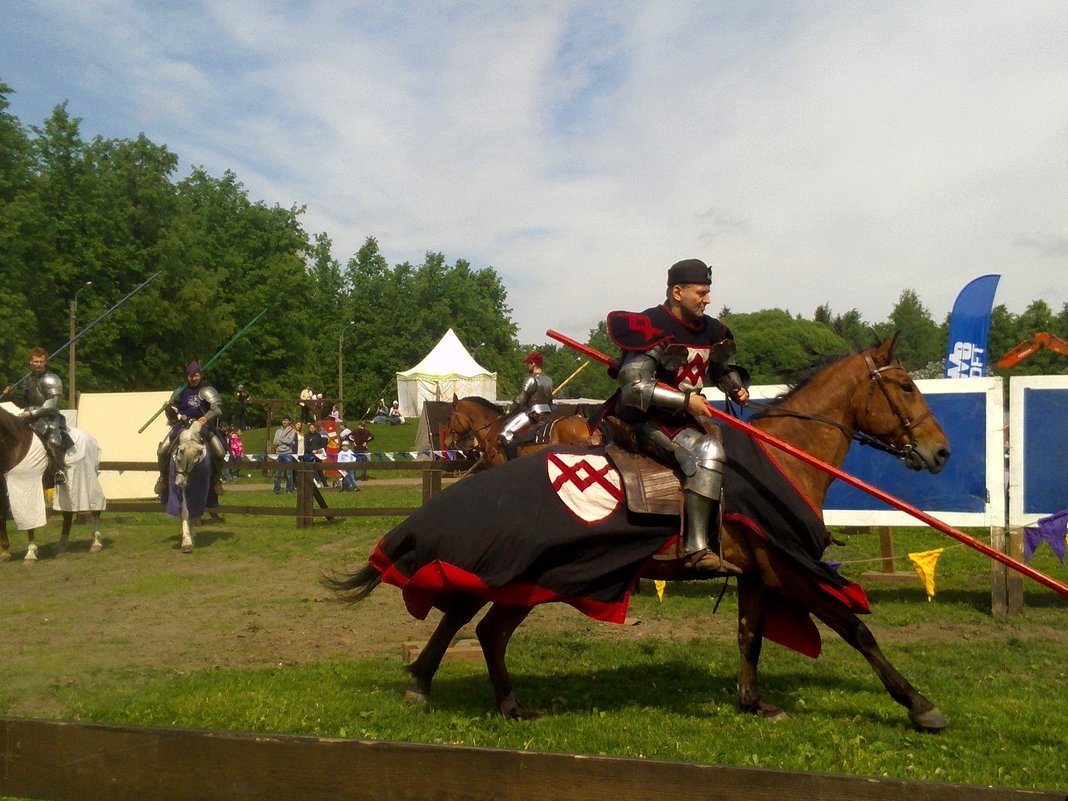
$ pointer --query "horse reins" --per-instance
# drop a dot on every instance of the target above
(875, 374)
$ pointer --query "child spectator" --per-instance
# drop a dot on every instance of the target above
(348, 477)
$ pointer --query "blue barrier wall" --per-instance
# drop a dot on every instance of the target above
(1038, 436)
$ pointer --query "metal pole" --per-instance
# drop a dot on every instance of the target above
(340, 374)
(73, 347)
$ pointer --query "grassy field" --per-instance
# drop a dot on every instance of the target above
(239, 636)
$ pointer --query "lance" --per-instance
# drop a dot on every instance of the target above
(578, 370)
(848, 478)
(89, 327)
(205, 366)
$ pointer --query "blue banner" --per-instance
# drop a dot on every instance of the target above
(969, 328)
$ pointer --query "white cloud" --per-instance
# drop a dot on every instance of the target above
(829, 152)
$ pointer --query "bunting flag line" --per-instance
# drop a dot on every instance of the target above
(1053, 530)
(660, 585)
(925, 562)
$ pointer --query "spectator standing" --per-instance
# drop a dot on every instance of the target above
(315, 449)
(306, 398)
(241, 399)
(237, 452)
(285, 446)
(361, 438)
(348, 477)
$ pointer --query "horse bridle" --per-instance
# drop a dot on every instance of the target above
(875, 375)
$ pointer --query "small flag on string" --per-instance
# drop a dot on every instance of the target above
(924, 563)
(660, 585)
(1050, 529)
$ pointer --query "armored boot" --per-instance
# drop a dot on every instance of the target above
(701, 540)
(56, 450)
(163, 460)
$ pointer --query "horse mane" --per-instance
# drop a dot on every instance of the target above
(488, 405)
(808, 375)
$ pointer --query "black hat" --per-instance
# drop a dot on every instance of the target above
(689, 271)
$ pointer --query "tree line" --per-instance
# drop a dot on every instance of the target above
(114, 212)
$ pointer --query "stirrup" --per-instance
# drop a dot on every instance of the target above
(707, 559)
(60, 478)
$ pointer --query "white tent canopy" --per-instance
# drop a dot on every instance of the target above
(447, 370)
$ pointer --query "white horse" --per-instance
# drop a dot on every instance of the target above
(190, 474)
(24, 462)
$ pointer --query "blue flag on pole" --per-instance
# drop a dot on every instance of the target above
(969, 328)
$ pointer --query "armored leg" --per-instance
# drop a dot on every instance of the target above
(53, 443)
(163, 459)
(702, 459)
(218, 462)
(513, 432)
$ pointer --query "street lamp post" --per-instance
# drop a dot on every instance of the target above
(341, 373)
(73, 344)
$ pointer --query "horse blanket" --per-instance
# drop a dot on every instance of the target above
(25, 491)
(197, 492)
(82, 491)
(554, 526)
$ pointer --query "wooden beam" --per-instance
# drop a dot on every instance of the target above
(58, 761)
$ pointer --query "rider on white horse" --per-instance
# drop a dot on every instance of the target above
(41, 397)
(197, 402)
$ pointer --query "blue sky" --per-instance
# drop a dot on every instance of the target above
(811, 152)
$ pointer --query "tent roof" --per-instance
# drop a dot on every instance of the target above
(448, 358)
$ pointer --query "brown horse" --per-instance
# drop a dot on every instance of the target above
(481, 420)
(17, 441)
(868, 393)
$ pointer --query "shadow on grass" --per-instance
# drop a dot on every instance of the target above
(675, 687)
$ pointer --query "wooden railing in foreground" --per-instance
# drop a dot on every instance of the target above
(310, 502)
(57, 761)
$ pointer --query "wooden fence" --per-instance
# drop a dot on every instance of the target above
(58, 761)
(310, 502)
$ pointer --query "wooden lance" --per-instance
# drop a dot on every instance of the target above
(897, 503)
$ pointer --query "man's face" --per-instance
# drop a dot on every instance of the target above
(285, 422)
(692, 300)
(193, 380)
(38, 364)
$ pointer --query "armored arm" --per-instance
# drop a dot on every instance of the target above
(522, 399)
(210, 397)
(49, 391)
(639, 387)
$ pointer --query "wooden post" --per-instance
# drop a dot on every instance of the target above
(305, 486)
(886, 558)
(998, 575)
(1014, 582)
(431, 483)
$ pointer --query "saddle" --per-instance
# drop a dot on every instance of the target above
(652, 487)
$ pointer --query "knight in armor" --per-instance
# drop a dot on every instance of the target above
(532, 403)
(196, 402)
(41, 397)
(669, 353)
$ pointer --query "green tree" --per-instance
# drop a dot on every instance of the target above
(777, 348)
(921, 341)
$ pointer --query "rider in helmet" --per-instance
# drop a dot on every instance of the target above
(196, 402)
(41, 398)
(669, 353)
(533, 402)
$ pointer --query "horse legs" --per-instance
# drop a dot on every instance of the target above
(458, 615)
(64, 534)
(31, 548)
(98, 542)
(923, 714)
(188, 535)
(494, 631)
(752, 607)
(5, 542)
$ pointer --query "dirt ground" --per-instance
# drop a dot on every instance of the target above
(142, 606)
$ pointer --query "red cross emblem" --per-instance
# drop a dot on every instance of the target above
(587, 484)
(640, 323)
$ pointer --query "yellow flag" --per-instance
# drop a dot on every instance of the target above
(925, 568)
(660, 589)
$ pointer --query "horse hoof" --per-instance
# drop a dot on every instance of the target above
(31, 554)
(5, 556)
(413, 696)
(932, 720)
(187, 544)
(96, 547)
(511, 709)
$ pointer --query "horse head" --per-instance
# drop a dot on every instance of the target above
(188, 452)
(894, 412)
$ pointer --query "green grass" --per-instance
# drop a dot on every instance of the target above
(1001, 681)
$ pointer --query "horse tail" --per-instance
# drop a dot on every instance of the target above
(352, 587)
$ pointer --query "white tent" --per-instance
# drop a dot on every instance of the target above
(447, 370)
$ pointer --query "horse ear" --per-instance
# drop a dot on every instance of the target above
(885, 351)
(455, 400)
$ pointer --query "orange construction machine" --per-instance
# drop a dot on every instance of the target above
(1030, 346)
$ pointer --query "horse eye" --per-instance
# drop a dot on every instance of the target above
(908, 388)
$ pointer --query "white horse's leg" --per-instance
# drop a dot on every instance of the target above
(31, 549)
(188, 535)
(98, 543)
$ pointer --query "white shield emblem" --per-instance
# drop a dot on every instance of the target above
(587, 484)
